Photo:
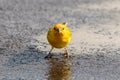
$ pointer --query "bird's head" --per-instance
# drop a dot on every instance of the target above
(60, 27)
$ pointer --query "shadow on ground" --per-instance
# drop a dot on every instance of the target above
(27, 57)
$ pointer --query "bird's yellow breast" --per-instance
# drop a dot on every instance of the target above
(59, 40)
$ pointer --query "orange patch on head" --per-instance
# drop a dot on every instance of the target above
(58, 26)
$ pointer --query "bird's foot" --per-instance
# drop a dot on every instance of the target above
(48, 56)
(67, 55)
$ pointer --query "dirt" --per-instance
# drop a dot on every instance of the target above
(95, 44)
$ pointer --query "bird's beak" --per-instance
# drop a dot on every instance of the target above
(58, 30)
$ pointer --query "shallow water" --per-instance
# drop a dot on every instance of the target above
(59, 69)
(31, 65)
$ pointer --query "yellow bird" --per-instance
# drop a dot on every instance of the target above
(59, 36)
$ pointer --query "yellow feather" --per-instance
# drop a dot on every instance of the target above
(59, 39)
(59, 36)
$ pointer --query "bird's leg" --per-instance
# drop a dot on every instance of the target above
(67, 55)
(50, 54)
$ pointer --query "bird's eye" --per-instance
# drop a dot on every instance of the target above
(64, 23)
(62, 28)
(54, 29)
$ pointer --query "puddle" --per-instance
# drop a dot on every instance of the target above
(59, 69)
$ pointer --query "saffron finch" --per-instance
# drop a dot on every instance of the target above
(59, 36)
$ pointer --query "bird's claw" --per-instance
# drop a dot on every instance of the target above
(68, 56)
(48, 56)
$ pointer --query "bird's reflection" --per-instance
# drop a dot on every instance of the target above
(59, 69)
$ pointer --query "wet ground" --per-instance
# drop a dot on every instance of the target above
(95, 45)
